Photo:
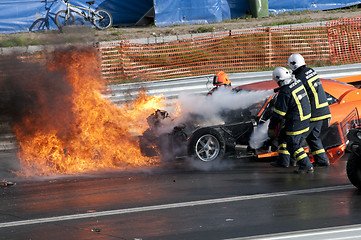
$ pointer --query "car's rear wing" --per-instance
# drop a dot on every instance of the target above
(353, 80)
(334, 137)
(352, 120)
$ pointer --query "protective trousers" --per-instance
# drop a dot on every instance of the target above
(283, 154)
(284, 157)
(314, 142)
(294, 146)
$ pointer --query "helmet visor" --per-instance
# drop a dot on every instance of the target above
(215, 80)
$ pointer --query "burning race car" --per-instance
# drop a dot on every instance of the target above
(243, 132)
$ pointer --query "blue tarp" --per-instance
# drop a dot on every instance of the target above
(239, 8)
(280, 6)
(19, 15)
(125, 12)
(178, 12)
(174, 12)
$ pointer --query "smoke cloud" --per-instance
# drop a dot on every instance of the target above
(224, 105)
(222, 99)
(27, 88)
(259, 136)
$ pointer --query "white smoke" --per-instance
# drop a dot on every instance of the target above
(259, 136)
(211, 107)
(222, 99)
(209, 111)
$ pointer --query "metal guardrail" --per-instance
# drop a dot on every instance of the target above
(198, 85)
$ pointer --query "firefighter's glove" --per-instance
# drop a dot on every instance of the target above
(276, 89)
(272, 134)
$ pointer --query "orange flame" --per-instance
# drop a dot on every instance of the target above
(92, 134)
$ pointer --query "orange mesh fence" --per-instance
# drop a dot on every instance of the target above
(112, 64)
(10, 63)
(237, 51)
(345, 40)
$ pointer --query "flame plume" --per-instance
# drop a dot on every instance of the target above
(73, 129)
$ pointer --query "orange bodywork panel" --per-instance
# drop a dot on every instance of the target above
(258, 86)
(350, 79)
(336, 88)
(336, 153)
(339, 111)
(267, 155)
(349, 98)
(264, 106)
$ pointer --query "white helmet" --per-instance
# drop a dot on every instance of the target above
(282, 76)
(295, 61)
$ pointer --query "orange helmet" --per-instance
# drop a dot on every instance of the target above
(221, 78)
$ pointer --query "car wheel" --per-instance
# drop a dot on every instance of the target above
(353, 170)
(207, 145)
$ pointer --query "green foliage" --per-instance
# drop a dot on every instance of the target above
(287, 22)
(247, 16)
(204, 29)
(354, 8)
(13, 41)
(118, 33)
(17, 41)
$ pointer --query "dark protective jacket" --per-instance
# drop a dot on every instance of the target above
(316, 94)
(293, 106)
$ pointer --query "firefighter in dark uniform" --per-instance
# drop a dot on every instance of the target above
(292, 106)
(320, 111)
(220, 80)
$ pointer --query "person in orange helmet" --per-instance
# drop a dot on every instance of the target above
(220, 80)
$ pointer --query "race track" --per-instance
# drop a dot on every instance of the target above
(237, 199)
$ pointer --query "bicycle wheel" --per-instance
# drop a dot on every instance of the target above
(41, 24)
(102, 19)
(62, 19)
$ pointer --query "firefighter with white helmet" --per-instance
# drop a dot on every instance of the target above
(292, 106)
(320, 111)
(296, 61)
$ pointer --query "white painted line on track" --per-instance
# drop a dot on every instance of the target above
(334, 233)
(172, 205)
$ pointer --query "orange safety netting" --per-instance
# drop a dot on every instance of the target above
(237, 51)
(336, 42)
(345, 40)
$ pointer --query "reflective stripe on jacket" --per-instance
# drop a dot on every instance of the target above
(293, 105)
(315, 91)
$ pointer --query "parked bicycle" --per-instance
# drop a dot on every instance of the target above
(42, 24)
(100, 18)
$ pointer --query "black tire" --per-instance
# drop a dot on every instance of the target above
(207, 145)
(103, 22)
(41, 24)
(61, 21)
(353, 170)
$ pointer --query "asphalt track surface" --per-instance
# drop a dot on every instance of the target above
(237, 199)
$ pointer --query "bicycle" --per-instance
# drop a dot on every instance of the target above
(100, 18)
(42, 24)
